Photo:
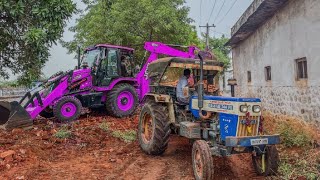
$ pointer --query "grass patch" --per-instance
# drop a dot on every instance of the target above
(104, 126)
(293, 137)
(306, 166)
(127, 136)
(63, 133)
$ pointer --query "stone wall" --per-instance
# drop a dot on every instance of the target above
(292, 33)
(303, 103)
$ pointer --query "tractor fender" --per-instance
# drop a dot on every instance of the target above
(131, 81)
(161, 98)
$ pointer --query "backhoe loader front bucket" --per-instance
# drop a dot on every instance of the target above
(13, 115)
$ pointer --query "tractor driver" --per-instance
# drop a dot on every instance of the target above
(124, 66)
(182, 83)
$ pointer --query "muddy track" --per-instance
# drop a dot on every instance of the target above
(92, 153)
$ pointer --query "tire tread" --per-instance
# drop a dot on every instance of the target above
(162, 131)
(111, 102)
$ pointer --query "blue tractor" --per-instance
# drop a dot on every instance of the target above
(217, 126)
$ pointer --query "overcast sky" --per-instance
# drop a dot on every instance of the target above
(222, 16)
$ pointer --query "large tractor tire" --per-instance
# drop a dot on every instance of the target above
(67, 109)
(47, 113)
(122, 100)
(154, 128)
(202, 162)
(268, 163)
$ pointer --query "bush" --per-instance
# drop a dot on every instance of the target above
(126, 136)
(63, 133)
(9, 84)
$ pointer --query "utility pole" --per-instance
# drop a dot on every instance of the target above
(207, 34)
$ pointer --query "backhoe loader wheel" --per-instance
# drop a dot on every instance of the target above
(67, 109)
(266, 164)
(154, 128)
(122, 100)
(202, 162)
(47, 113)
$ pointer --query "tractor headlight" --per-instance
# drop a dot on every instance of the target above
(243, 108)
(256, 108)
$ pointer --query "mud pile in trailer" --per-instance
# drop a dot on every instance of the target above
(99, 147)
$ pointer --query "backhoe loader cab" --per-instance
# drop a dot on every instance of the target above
(218, 126)
(108, 62)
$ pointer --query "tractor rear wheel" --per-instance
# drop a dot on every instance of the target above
(122, 100)
(46, 113)
(202, 162)
(67, 109)
(266, 164)
(154, 128)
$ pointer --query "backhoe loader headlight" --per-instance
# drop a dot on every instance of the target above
(243, 108)
(256, 108)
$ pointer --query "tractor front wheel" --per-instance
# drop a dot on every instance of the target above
(122, 100)
(202, 162)
(67, 109)
(154, 128)
(266, 163)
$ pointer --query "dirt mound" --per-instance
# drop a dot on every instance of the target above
(272, 120)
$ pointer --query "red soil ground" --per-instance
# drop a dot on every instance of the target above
(92, 153)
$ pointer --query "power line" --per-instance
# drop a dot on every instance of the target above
(200, 13)
(219, 11)
(226, 34)
(228, 11)
(214, 5)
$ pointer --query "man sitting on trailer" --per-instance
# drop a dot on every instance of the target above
(182, 96)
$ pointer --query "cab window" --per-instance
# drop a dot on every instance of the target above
(112, 65)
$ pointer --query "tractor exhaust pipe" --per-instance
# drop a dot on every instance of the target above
(79, 52)
(200, 92)
(200, 86)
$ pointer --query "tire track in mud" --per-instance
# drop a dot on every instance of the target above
(235, 167)
(170, 165)
(178, 160)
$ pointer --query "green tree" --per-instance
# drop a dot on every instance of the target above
(132, 22)
(28, 28)
(217, 45)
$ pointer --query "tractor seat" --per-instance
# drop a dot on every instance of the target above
(179, 103)
(182, 105)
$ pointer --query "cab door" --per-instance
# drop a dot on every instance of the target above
(109, 66)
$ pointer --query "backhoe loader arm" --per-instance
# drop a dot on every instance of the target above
(160, 48)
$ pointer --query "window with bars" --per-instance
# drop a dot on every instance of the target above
(249, 76)
(267, 71)
(301, 68)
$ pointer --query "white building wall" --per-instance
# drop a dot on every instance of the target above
(292, 33)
